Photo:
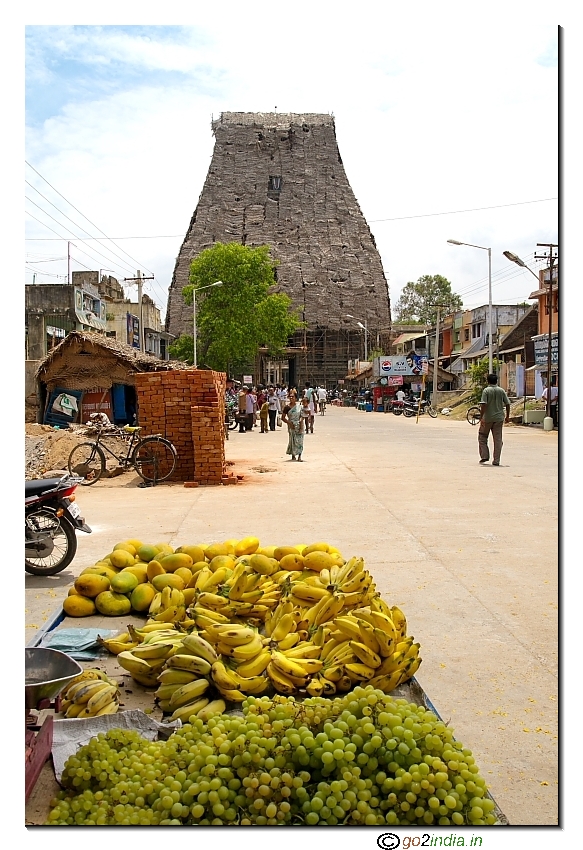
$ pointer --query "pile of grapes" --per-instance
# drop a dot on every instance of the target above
(363, 758)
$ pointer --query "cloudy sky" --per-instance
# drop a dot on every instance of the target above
(446, 123)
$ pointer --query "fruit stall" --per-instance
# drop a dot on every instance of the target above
(285, 683)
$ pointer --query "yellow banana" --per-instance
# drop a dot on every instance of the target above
(363, 671)
(224, 678)
(233, 635)
(410, 671)
(284, 626)
(108, 708)
(155, 605)
(366, 655)
(368, 638)
(315, 687)
(152, 651)
(74, 709)
(242, 653)
(190, 709)
(388, 682)
(386, 643)
(334, 673)
(99, 700)
(290, 640)
(348, 625)
(90, 689)
(332, 646)
(382, 621)
(202, 577)
(329, 610)
(304, 649)
(216, 706)
(399, 620)
(187, 693)
(287, 665)
(282, 683)
(343, 684)
(176, 676)
(189, 663)
(310, 593)
(253, 684)
(393, 662)
(233, 696)
(255, 666)
(132, 663)
(413, 650)
(328, 686)
(196, 645)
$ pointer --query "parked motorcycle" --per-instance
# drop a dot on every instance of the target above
(51, 519)
(410, 408)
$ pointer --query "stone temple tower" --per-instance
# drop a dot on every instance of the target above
(278, 179)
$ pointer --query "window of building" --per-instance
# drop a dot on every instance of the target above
(476, 330)
(274, 184)
(466, 334)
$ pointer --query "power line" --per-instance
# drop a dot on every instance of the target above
(455, 212)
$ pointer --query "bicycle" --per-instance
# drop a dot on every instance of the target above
(474, 415)
(153, 457)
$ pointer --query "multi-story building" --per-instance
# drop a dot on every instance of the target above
(52, 310)
(548, 315)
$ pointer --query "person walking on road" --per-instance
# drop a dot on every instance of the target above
(274, 407)
(292, 416)
(494, 412)
(554, 399)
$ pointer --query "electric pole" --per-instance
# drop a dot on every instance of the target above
(139, 280)
(551, 256)
(436, 352)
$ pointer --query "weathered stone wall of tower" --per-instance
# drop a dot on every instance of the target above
(278, 179)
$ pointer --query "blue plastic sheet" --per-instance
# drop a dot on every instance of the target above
(80, 644)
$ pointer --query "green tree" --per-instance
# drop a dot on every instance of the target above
(235, 319)
(183, 349)
(479, 372)
(417, 300)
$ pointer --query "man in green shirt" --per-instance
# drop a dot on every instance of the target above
(495, 411)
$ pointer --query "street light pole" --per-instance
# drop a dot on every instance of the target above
(365, 329)
(489, 250)
(216, 283)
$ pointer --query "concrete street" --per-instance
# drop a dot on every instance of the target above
(469, 552)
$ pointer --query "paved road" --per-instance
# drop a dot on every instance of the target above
(469, 552)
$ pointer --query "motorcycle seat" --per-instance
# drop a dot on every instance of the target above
(41, 485)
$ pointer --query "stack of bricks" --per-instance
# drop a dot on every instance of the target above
(188, 407)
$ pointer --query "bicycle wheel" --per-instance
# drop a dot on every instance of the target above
(432, 411)
(88, 461)
(154, 459)
(473, 415)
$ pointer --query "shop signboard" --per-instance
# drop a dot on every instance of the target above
(395, 380)
(399, 364)
(133, 330)
(541, 349)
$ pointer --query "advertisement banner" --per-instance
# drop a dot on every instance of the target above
(133, 330)
(400, 364)
(395, 381)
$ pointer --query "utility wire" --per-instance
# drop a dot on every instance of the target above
(455, 212)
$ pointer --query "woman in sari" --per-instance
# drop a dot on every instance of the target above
(292, 416)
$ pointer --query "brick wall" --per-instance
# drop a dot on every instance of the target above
(188, 407)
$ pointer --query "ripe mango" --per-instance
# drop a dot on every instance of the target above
(126, 547)
(98, 570)
(264, 565)
(163, 549)
(124, 582)
(141, 597)
(218, 549)
(168, 580)
(184, 573)
(268, 551)
(315, 547)
(140, 571)
(146, 552)
(112, 604)
(122, 558)
(91, 585)
(281, 551)
(318, 560)
(135, 543)
(172, 562)
(155, 568)
(292, 561)
(246, 546)
(220, 561)
(195, 552)
(78, 606)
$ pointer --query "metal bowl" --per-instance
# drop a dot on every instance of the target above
(47, 673)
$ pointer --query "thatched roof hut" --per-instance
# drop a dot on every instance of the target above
(96, 369)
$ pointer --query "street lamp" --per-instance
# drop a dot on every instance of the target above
(489, 250)
(216, 283)
(365, 329)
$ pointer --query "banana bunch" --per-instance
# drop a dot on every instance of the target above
(118, 643)
(293, 669)
(242, 656)
(90, 694)
(185, 678)
(167, 606)
(145, 661)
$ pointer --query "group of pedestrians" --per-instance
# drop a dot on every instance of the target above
(260, 405)
(299, 414)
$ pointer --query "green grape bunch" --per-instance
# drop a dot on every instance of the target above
(362, 758)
